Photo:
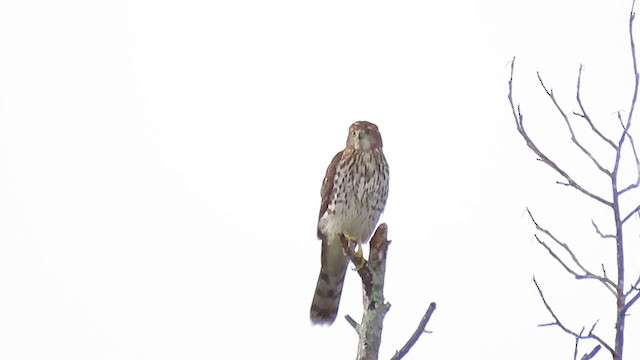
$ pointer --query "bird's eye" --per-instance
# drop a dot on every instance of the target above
(353, 133)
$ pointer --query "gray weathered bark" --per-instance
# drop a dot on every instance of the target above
(372, 274)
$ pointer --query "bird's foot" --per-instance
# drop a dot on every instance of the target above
(359, 260)
(360, 257)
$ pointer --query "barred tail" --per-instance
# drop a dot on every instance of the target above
(326, 299)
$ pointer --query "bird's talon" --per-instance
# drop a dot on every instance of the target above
(350, 239)
(359, 256)
(359, 260)
(361, 263)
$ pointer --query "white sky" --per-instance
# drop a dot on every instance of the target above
(160, 170)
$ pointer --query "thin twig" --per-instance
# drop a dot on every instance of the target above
(584, 113)
(633, 287)
(575, 347)
(625, 127)
(416, 334)
(607, 236)
(635, 298)
(351, 322)
(630, 214)
(635, 155)
(635, 66)
(632, 301)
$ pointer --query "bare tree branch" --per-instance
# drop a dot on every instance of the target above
(630, 214)
(416, 334)
(559, 323)
(635, 65)
(608, 283)
(375, 308)
(608, 236)
(635, 155)
(372, 274)
(591, 354)
(517, 115)
(566, 257)
(635, 298)
(632, 301)
(621, 305)
(633, 287)
(351, 322)
(624, 300)
(625, 132)
(577, 342)
(584, 112)
(566, 120)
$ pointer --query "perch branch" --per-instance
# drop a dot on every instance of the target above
(360, 263)
(375, 308)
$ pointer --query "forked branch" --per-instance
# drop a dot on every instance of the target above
(592, 353)
(372, 273)
(558, 323)
(566, 120)
(517, 114)
(585, 273)
(584, 115)
(604, 236)
(635, 156)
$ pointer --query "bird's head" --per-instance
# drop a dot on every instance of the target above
(363, 136)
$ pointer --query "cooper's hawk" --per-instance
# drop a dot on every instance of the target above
(354, 193)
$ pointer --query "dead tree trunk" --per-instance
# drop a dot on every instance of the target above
(372, 274)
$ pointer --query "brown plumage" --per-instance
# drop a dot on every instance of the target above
(354, 193)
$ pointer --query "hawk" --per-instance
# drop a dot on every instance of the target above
(354, 193)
